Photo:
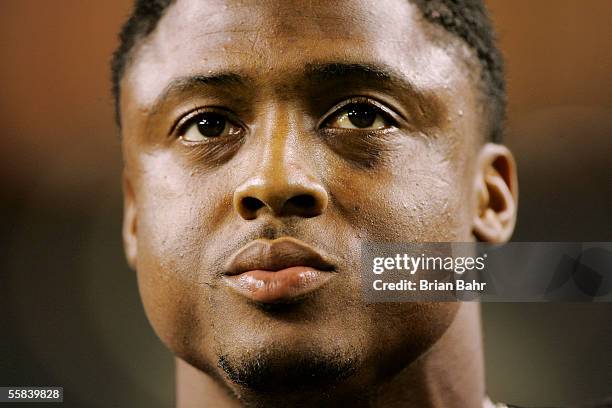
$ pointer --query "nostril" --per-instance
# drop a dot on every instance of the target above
(252, 204)
(303, 201)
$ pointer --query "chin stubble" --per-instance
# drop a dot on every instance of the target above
(281, 372)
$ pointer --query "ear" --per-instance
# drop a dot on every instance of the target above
(130, 222)
(496, 189)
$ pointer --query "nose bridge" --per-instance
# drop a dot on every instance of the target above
(279, 144)
(282, 182)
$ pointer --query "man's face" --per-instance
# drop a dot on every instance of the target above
(322, 124)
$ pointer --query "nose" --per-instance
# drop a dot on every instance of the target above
(282, 192)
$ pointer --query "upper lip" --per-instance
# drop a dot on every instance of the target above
(275, 255)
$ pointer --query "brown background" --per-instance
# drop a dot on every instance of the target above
(70, 312)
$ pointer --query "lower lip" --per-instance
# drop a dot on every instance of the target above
(277, 286)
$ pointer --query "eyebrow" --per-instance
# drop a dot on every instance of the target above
(230, 82)
(314, 72)
(329, 72)
(219, 79)
(181, 85)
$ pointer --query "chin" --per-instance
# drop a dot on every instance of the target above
(281, 370)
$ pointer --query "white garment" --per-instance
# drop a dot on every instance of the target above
(487, 403)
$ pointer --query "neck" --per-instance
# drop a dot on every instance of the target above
(449, 374)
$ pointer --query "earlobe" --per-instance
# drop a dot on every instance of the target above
(130, 222)
(496, 189)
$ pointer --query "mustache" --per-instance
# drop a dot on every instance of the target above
(273, 229)
(269, 229)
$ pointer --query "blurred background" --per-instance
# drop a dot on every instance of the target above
(70, 313)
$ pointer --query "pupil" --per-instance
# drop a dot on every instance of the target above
(211, 125)
(362, 115)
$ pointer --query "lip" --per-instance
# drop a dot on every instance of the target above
(274, 271)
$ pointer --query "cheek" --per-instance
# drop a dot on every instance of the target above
(421, 196)
(177, 209)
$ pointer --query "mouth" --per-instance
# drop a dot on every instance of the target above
(267, 271)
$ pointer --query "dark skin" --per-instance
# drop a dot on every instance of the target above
(373, 119)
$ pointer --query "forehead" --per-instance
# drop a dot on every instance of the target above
(269, 40)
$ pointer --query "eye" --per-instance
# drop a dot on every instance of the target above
(359, 116)
(208, 125)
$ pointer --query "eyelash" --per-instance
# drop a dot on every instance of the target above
(381, 109)
(182, 125)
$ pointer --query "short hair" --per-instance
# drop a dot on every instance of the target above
(466, 19)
